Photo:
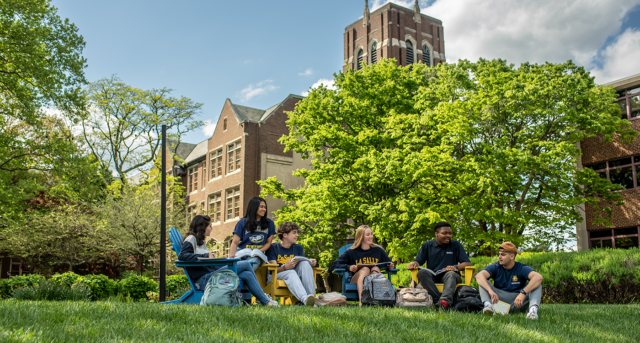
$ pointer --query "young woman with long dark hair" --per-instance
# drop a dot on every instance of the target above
(194, 246)
(254, 231)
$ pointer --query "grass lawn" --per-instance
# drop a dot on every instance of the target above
(113, 321)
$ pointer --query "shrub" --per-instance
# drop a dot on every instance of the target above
(53, 292)
(101, 286)
(5, 290)
(66, 279)
(176, 283)
(137, 287)
(20, 281)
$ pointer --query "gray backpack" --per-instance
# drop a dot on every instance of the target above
(222, 289)
(377, 290)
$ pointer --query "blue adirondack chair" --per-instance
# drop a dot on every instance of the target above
(194, 295)
(350, 290)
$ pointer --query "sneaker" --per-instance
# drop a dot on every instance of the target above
(488, 309)
(533, 313)
(271, 302)
(310, 300)
(442, 305)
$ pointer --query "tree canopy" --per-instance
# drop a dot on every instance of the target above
(489, 147)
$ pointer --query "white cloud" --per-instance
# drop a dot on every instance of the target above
(259, 88)
(209, 127)
(307, 72)
(534, 31)
(326, 82)
(621, 58)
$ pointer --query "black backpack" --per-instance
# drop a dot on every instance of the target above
(467, 299)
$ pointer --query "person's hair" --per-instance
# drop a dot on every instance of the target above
(254, 204)
(508, 252)
(198, 228)
(285, 228)
(360, 237)
(438, 225)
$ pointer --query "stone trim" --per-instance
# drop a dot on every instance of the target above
(410, 29)
(427, 35)
(373, 31)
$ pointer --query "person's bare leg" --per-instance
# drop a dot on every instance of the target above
(362, 273)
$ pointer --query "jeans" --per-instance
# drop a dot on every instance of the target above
(300, 280)
(256, 259)
(247, 275)
(532, 299)
(449, 279)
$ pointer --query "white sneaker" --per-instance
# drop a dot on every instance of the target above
(271, 302)
(533, 313)
(488, 309)
(310, 300)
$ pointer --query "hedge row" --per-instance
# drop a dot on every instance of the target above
(610, 276)
(100, 286)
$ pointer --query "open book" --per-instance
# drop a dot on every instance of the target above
(246, 253)
(501, 307)
(301, 258)
(437, 272)
(379, 265)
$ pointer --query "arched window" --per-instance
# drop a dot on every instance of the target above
(409, 52)
(359, 61)
(426, 55)
(374, 52)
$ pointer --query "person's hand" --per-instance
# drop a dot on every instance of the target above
(519, 300)
(353, 269)
(494, 297)
(413, 265)
(391, 265)
(212, 255)
(313, 262)
(290, 264)
(232, 256)
(451, 268)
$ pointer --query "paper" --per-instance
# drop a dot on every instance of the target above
(501, 307)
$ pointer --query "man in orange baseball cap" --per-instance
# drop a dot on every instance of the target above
(510, 283)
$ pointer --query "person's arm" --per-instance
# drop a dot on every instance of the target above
(187, 253)
(420, 259)
(463, 260)
(461, 266)
(234, 246)
(342, 262)
(313, 262)
(267, 245)
(481, 278)
(385, 258)
(535, 280)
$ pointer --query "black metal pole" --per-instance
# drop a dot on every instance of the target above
(163, 216)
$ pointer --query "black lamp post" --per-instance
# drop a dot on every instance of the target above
(163, 216)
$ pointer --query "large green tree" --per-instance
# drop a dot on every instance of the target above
(487, 146)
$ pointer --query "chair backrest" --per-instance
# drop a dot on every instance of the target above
(176, 240)
(344, 248)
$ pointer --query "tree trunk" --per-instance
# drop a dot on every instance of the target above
(140, 262)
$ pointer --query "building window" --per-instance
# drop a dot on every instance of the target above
(233, 156)
(623, 171)
(224, 124)
(233, 203)
(204, 173)
(409, 52)
(426, 55)
(15, 267)
(215, 207)
(374, 52)
(191, 212)
(623, 238)
(215, 163)
(629, 102)
(193, 179)
(359, 60)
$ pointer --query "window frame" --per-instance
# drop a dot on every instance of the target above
(359, 58)
(407, 50)
(374, 52)
(635, 165)
(426, 52)
(612, 237)
(215, 156)
(232, 193)
(627, 98)
(193, 175)
(215, 199)
(233, 163)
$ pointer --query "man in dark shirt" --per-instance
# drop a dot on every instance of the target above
(510, 283)
(445, 257)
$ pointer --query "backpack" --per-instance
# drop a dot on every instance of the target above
(377, 290)
(222, 289)
(467, 299)
(413, 297)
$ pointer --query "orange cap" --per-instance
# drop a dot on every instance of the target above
(509, 247)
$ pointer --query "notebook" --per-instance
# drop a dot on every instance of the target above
(501, 307)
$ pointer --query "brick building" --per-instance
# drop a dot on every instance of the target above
(619, 163)
(220, 173)
(393, 31)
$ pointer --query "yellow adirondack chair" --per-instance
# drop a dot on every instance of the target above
(278, 288)
(467, 275)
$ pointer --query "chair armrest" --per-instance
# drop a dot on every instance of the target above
(414, 274)
(201, 263)
(318, 270)
(468, 275)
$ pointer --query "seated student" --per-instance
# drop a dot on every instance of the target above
(194, 246)
(298, 275)
(441, 253)
(363, 251)
(254, 231)
(510, 283)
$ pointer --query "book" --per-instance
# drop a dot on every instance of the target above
(370, 265)
(301, 258)
(246, 253)
(501, 307)
(436, 273)
(211, 258)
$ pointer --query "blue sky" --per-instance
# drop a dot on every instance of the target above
(257, 52)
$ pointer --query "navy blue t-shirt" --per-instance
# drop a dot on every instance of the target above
(510, 280)
(281, 255)
(441, 256)
(256, 239)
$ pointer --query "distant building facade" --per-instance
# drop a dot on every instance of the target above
(393, 31)
(620, 163)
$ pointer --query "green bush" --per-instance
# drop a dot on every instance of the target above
(176, 283)
(137, 287)
(5, 290)
(101, 286)
(50, 291)
(66, 279)
(20, 281)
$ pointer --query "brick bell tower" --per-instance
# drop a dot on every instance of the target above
(393, 31)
